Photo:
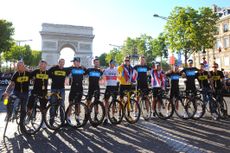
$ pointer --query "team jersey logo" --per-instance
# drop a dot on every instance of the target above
(175, 77)
(142, 69)
(77, 71)
(94, 74)
(42, 76)
(203, 77)
(190, 73)
(22, 79)
(60, 73)
(215, 78)
(111, 77)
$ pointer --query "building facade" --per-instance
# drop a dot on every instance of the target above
(220, 53)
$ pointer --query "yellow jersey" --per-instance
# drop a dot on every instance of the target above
(124, 75)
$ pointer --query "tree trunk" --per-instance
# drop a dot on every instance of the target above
(185, 58)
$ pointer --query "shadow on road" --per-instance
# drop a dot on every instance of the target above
(173, 135)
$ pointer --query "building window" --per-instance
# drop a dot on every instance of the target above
(218, 44)
(226, 42)
(225, 27)
(218, 61)
(226, 61)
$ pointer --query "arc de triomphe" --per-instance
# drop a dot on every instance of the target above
(55, 37)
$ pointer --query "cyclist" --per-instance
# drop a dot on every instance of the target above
(77, 73)
(174, 76)
(125, 77)
(158, 83)
(217, 82)
(20, 81)
(204, 79)
(190, 74)
(40, 77)
(142, 78)
(58, 74)
(94, 77)
(110, 75)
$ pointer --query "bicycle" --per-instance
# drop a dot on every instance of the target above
(77, 112)
(202, 107)
(222, 107)
(115, 109)
(185, 106)
(33, 121)
(96, 110)
(12, 111)
(164, 107)
(144, 102)
(54, 115)
(132, 110)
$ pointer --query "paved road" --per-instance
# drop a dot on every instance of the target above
(174, 135)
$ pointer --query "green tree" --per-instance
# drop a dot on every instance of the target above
(16, 53)
(102, 59)
(159, 47)
(139, 46)
(19, 52)
(6, 33)
(145, 47)
(119, 57)
(36, 57)
(130, 47)
(206, 28)
(115, 54)
(187, 29)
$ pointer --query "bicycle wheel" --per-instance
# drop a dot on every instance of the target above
(9, 108)
(145, 108)
(222, 109)
(33, 122)
(190, 107)
(132, 111)
(96, 113)
(200, 108)
(17, 114)
(78, 115)
(164, 108)
(181, 108)
(115, 112)
(54, 116)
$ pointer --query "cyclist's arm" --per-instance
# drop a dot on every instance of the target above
(211, 81)
(9, 88)
(222, 80)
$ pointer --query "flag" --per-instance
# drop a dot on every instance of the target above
(179, 60)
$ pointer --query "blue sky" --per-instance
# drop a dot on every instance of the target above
(112, 20)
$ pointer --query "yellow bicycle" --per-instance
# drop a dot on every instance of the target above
(132, 110)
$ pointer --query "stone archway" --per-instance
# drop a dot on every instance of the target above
(55, 37)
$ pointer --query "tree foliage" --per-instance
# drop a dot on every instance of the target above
(190, 30)
(102, 59)
(135, 47)
(25, 53)
(36, 57)
(159, 46)
(115, 54)
(147, 46)
(6, 33)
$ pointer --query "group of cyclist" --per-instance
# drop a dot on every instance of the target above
(118, 79)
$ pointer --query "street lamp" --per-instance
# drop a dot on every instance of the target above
(19, 44)
(164, 18)
(158, 16)
(20, 41)
(116, 46)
